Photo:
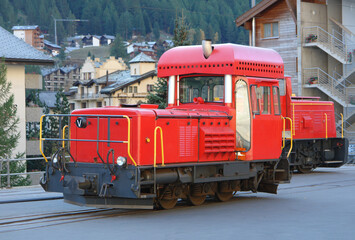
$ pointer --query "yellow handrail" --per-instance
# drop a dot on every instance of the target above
(63, 144)
(283, 132)
(289, 152)
(40, 138)
(155, 146)
(342, 125)
(129, 140)
(326, 126)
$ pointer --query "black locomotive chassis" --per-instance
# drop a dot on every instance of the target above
(331, 152)
(91, 184)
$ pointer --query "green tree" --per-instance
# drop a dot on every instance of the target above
(160, 89)
(9, 134)
(181, 33)
(159, 93)
(61, 55)
(118, 49)
(156, 31)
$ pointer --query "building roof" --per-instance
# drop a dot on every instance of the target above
(66, 69)
(109, 37)
(47, 71)
(53, 45)
(97, 64)
(48, 97)
(142, 58)
(16, 50)
(260, 7)
(123, 79)
(25, 27)
(112, 77)
(71, 91)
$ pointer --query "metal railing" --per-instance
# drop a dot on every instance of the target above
(5, 163)
(319, 78)
(347, 131)
(326, 40)
(63, 139)
(91, 95)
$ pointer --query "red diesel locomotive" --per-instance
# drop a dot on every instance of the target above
(228, 127)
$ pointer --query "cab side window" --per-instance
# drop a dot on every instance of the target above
(264, 99)
(276, 98)
(254, 100)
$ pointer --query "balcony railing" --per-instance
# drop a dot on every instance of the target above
(318, 78)
(91, 95)
(318, 36)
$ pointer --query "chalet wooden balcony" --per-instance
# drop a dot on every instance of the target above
(317, 37)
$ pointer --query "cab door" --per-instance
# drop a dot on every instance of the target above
(266, 121)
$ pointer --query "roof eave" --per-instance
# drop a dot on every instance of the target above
(144, 76)
(29, 61)
(254, 11)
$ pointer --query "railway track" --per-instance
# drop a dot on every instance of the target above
(33, 221)
(48, 219)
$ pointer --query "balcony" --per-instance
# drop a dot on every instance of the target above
(89, 96)
(318, 37)
(33, 81)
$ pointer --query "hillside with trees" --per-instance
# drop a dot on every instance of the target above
(214, 19)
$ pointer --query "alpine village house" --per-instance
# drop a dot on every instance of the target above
(121, 87)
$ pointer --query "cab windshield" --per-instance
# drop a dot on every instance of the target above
(209, 88)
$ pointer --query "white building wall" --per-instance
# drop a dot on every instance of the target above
(95, 42)
(349, 14)
(20, 34)
(16, 75)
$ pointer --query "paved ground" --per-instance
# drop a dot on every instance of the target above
(320, 205)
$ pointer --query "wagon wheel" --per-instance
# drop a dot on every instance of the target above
(305, 169)
(223, 196)
(168, 199)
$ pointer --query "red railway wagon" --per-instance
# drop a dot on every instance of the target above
(222, 132)
(314, 136)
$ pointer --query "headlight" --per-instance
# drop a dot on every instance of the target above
(55, 158)
(121, 161)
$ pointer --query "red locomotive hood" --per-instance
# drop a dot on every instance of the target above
(187, 111)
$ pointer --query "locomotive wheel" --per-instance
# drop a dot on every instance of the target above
(196, 200)
(305, 169)
(223, 196)
(168, 199)
(167, 203)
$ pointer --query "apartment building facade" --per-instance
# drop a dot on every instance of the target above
(316, 39)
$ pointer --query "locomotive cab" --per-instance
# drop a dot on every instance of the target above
(254, 104)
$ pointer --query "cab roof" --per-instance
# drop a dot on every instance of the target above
(225, 59)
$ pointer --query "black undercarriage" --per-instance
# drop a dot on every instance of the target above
(308, 154)
(146, 187)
